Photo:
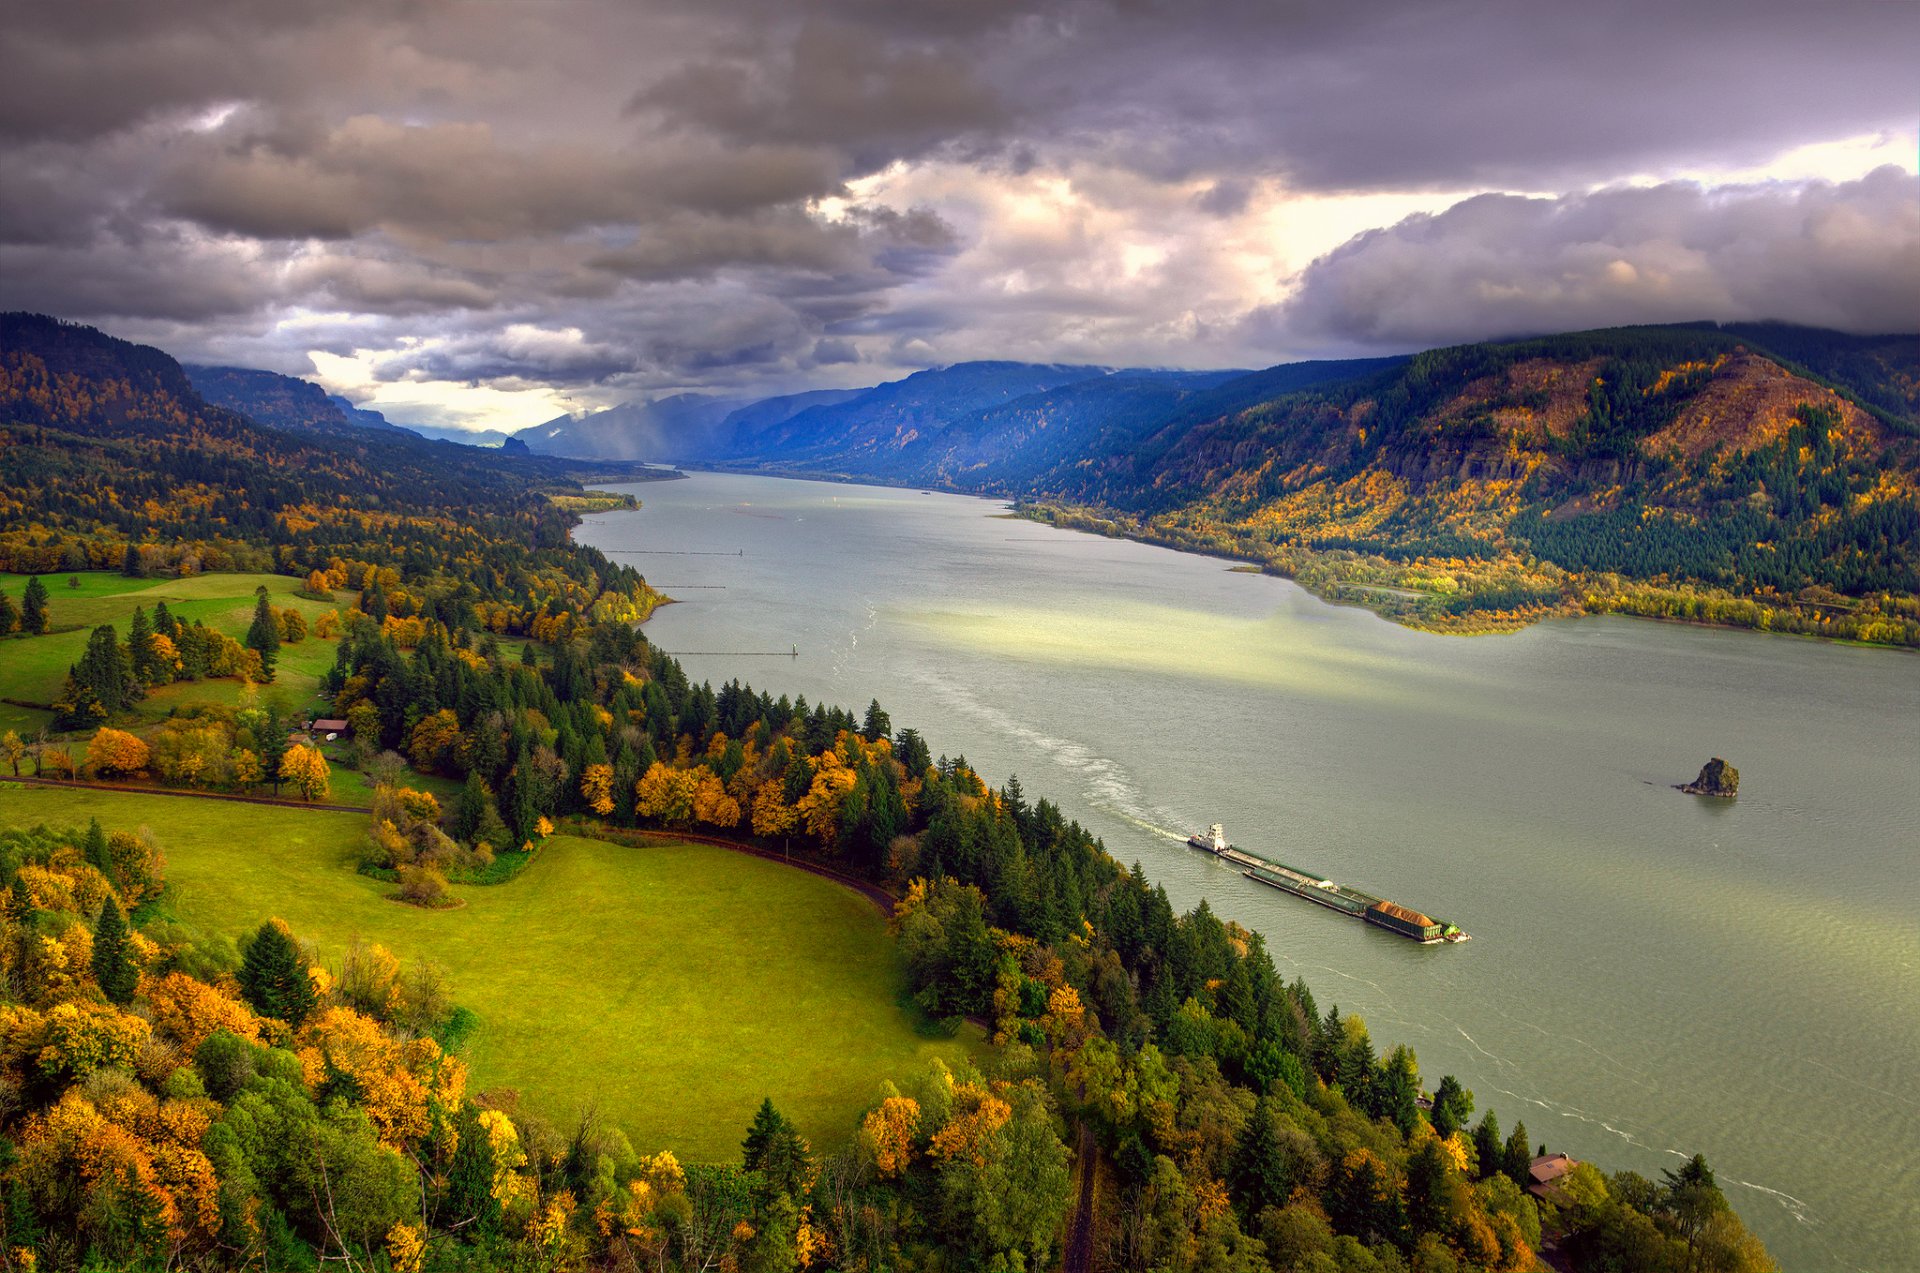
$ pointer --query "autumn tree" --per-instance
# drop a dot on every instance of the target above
(263, 634)
(114, 751)
(293, 626)
(667, 794)
(113, 966)
(13, 750)
(33, 607)
(596, 788)
(274, 977)
(9, 615)
(307, 770)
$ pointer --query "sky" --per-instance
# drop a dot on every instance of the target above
(485, 213)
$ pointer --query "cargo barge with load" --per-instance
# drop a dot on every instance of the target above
(1324, 892)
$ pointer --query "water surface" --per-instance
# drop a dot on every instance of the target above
(1651, 975)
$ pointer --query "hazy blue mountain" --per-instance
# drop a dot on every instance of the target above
(863, 432)
(672, 428)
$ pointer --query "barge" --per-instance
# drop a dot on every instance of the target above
(1377, 911)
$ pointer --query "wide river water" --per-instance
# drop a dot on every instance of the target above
(1651, 974)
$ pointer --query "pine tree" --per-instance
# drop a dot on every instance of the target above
(1486, 1145)
(1258, 1173)
(263, 635)
(113, 965)
(20, 907)
(141, 650)
(273, 978)
(9, 615)
(1517, 1159)
(131, 566)
(97, 850)
(33, 608)
(774, 1148)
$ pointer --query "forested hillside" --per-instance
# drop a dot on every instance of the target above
(1683, 472)
(105, 447)
(1762, 476)
(280, 402)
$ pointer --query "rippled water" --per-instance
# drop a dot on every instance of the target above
(1651, 974)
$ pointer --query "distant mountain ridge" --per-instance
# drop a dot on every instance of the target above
(280, 402)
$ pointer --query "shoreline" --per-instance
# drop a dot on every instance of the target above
(1013, 510)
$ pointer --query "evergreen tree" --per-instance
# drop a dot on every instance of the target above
(469, 810)
(878, 724)
(1517, 1159)
(774, 1148)
(131, 566)
(1452, 1104)
(1258, 1173)
(1486, 1145)
(97, 850)
(263, 635)
(141, 650)
(9, 615)
(113, 965)
(33, 608)
(101, 683)
(274, 739)
(273, 977)
(20, 907)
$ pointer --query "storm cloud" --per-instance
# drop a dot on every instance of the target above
(577, 201)
(1844, 256)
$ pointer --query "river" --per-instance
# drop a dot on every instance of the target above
(1651, 974)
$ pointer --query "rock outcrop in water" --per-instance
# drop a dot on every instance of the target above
(1717, 778)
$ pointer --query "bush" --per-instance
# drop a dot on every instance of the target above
(423, 886)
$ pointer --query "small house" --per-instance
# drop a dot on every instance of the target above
(1543, 1176)
(329, 728)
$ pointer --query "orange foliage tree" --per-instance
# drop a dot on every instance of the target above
(114, 751)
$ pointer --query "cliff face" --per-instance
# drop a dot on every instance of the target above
(1717, 778)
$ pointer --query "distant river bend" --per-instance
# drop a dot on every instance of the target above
(1651, 973)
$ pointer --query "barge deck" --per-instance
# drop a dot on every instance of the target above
(1351, 902)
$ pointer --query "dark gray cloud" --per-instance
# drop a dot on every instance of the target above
(607, 196)
(1844, 256)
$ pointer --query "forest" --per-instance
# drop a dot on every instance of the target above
(1156, 1096)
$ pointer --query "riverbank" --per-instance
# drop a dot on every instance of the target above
(1519, 787)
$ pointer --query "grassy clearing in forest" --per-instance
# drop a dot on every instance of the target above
(668, 987)
(33, 669)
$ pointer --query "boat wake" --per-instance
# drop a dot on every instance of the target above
(1104, 782)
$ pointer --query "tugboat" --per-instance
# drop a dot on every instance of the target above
(1214, 841)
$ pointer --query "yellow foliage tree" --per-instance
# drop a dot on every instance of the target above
(307, 770)
(596, 788)
(114, 751)
(434, 739)
(888, 1132)
(711, 803)
(666, 794)
(772, 815)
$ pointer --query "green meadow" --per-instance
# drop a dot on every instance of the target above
(33, 669)
(667, 988)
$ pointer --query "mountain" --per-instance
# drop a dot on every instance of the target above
(279, 402)
(489, 438)
(105, 444)
(1755, 474)
(1689, 471)
(670, 428)
(1036, 441)
(861, 433)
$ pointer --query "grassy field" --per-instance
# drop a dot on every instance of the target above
(671, 988)
(33, 669)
